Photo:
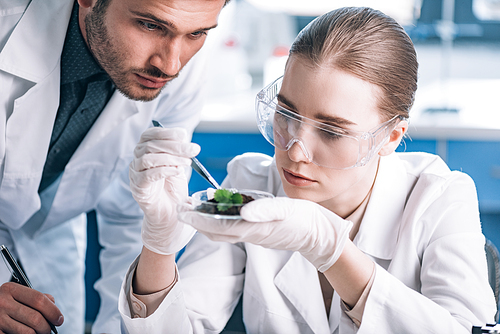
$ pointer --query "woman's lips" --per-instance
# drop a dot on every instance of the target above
(151, 82)
(297, 179)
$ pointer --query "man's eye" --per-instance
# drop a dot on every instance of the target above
(149, 26)
(199, 34)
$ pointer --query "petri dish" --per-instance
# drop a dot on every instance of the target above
(206, 206)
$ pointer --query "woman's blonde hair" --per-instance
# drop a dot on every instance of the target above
(369, 45)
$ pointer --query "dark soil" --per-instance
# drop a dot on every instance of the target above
(232, 211)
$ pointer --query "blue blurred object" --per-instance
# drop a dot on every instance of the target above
(468, 26)
(219, 148)
(92, 269)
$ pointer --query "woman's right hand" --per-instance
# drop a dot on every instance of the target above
(158, 183)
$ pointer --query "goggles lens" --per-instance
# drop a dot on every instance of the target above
(324, 145)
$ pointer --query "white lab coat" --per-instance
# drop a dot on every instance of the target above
(31, 40)
(421, 227)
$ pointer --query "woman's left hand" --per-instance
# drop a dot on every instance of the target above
(280, 223)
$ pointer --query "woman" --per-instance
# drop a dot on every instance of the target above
(358, 238)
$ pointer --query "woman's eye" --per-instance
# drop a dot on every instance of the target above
(284, 118)
(288, 114)
(328, 135)
(280, 119)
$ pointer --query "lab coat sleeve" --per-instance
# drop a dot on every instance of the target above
(211, 274)
(445, 233)
(253, 171)
(202, 301)
(173, 307)
(119, 230)
(119, 216)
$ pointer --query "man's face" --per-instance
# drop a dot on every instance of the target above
(144, 44)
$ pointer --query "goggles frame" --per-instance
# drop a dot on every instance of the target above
(267, 98)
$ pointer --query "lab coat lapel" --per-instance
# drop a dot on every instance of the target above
(34, 48)
(379, 229)
(27, 137)
(32, 53)
(377, 236)
(308, 300)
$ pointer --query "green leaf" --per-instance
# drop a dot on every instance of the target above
(237, 198)
(223, 196)
(223, 207)
(226, 198)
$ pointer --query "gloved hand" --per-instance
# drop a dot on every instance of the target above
(280, 223)
(158, 183)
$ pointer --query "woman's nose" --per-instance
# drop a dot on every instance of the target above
(297, 151)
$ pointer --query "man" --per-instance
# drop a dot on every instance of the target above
(80, 81)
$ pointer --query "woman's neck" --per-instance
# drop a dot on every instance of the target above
(348, 202)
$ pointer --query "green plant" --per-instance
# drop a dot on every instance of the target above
(226, 198)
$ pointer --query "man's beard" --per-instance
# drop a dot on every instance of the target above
(113, 61)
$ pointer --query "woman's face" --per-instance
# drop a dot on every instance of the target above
(336, 98)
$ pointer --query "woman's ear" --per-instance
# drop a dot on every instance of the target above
(394, 138)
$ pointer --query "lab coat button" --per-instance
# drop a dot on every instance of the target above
(136, 306)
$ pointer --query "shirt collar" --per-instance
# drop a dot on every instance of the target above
(357, 215)
(77, 62)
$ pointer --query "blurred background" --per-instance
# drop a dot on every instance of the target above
(456, 113)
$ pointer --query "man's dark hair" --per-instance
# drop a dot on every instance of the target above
(103, 4)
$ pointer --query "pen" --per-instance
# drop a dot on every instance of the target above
(19, 274)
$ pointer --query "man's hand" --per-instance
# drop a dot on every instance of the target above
(25, 310)
(158, 183)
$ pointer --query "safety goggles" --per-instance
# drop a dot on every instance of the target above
(323, 144)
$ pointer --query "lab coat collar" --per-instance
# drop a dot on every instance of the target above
(305, 298)
(377, 237)
(379, 229)
(34, 47)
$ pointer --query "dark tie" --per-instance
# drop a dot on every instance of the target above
(72, 123)
(85, 90)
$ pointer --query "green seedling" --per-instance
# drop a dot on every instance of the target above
(226, 198)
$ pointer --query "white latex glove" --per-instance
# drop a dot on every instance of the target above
(280, 223)
(158, 183)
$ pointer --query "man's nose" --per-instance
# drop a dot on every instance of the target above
(168, 58)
